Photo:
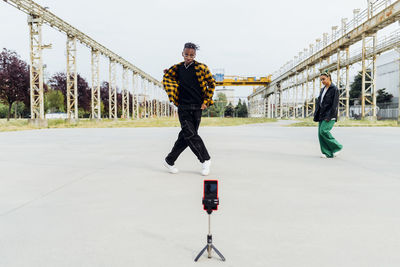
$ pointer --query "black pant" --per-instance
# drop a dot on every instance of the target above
(189, 117)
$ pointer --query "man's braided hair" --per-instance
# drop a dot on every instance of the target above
(191, 46)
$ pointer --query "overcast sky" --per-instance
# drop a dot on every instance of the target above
(252, 37)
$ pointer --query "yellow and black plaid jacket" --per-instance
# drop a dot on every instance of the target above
(204, 76)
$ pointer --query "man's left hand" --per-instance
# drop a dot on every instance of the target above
(203, 106)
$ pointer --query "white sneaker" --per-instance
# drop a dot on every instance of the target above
(337, 153)
(171, 169)
(323, 156)
(205, 167)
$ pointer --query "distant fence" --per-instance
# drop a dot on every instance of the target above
(388, 113)
(384, 111)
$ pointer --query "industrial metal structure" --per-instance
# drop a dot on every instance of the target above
(293, 89)
(156, 99)
(243, 81)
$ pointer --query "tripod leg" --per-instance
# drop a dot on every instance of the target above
(201, 253)
(219, 253)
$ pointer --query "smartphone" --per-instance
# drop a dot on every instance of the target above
(210, 196)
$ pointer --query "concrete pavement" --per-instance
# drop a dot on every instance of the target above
(100, 197)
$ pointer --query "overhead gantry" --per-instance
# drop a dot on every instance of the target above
(293, 89)
(152, 101)
(244, 81)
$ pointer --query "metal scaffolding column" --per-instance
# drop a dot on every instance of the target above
(368, 91)
(134, 96)
(159, 107)
(137, 97)
(151, 96)
(314, 91)
(290, 102)
(112, 90)
(343, 57)
(287, 103)
(398, 114)
(36, 70)
(144, 90)
(125, 93)
(276, 102)
(295, 90)
(96, 100)
(307, 99)
(265, 107)
(280, 100)
(302, 100)
(284, 96)
(72, 80)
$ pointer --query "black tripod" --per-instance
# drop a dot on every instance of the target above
(209, 247)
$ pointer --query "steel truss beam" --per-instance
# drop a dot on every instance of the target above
(34, 9)
(36, 68)
(380, 14)
(112, 90)
(151, 98)
(303, 96)
(39, 15)
(72, 79)
(144, 90)
(292, 110)
(125, 93)
(286, 105)
(135, 99)
(308, 103)
(380, 20)
(368, 91)
(96, 99)
(342, 82)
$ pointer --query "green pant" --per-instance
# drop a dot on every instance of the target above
(328, 143)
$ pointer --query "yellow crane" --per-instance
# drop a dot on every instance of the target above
(242, 80)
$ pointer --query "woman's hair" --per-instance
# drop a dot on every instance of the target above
(191, 46)
(326, 73)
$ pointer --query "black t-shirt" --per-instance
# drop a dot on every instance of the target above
(189, 88)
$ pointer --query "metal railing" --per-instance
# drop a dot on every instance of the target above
(360, 18)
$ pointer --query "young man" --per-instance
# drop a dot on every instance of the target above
(190, 86)
(326, 114)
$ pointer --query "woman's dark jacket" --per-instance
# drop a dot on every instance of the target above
(329, 108)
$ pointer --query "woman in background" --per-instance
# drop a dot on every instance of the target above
(326, 114)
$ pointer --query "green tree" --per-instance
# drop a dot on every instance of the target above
(14, 79)
(54, 101)
(242, 112)
(355, 88)
(383, 96)
(3, 110)
(210, 112)
(220, 104)
(18, 108)
(229, 110)
(218, 109)
(237, 108)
